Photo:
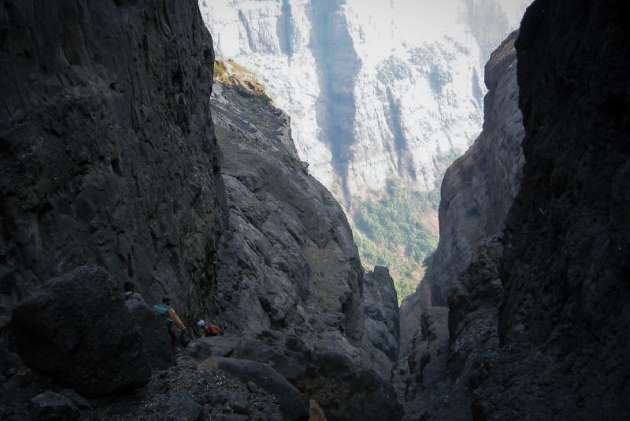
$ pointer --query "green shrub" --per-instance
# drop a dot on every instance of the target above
(221, 72)
(389, 232)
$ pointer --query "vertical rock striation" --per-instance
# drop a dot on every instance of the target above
(107, 147)
(375, 90)
(337, 67)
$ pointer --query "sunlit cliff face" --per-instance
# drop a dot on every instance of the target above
(378, 91)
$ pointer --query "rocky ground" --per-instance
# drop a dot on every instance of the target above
(212, 389)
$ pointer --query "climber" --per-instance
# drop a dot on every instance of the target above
(175, 326)
(209, 330)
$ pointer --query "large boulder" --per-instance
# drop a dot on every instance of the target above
(155, 339)
(77, 330)
(348, 392)
(289, 399)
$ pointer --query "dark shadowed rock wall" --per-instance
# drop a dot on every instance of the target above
(107, 152)
(109, 160)
(93, 347)
(566, 266)
(537, 322)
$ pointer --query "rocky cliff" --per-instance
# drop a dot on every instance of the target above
(112, 173)
(352, 96)
(376, 90)
(380, 94)
(108, 153)
(477, 191)
(536, 321)
(565, 269)
(289, 273)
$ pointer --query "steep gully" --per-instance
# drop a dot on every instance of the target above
(103, 139)
(116, 168)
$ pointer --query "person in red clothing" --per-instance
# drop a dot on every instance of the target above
(207, 330)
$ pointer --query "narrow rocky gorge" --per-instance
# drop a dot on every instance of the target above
(380, 94)
(478, 189)
(477, 193)
(113, 171)
(290, 277)
(122, 162)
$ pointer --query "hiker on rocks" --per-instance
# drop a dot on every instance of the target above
(207, 330)
(174, 324)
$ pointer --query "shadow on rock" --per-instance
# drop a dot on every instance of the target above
(77, 330)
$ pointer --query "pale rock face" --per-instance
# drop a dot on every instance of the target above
(375, 89)
(251, 32)
(411, 111)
